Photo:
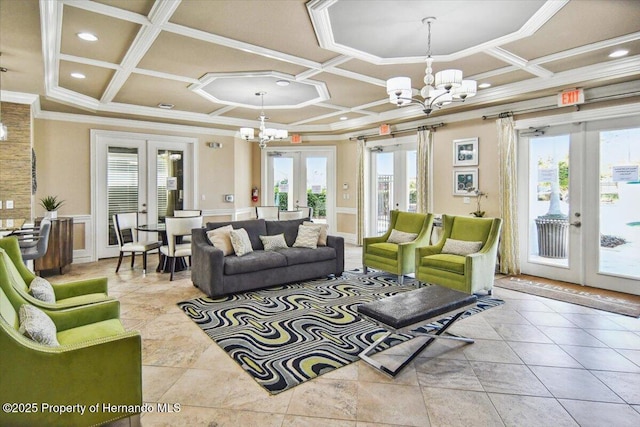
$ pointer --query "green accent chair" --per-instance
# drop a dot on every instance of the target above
(70, 294)
(397, 258)
(471, 273)
(97, 362)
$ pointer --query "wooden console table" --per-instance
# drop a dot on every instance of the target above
(60, 251)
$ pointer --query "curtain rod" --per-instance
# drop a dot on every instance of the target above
(398, 132)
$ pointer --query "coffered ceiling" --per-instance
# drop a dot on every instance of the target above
(322, 63)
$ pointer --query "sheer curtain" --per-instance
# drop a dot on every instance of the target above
(424, 184)
(361, 217)
(508, 185)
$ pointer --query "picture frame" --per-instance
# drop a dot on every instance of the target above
(463, 180)
(465, 152)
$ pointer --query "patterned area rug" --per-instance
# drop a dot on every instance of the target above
(591, 299)
(288, 334)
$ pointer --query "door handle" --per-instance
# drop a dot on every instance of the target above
(576, 224)
(142, 212)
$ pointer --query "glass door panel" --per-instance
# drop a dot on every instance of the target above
(123, 185)
(412, 181)
(283, 183)
(384, 167)
(170, 182)
(316, 188)
(619, 204)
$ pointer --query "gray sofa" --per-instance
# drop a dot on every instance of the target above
(217, 275)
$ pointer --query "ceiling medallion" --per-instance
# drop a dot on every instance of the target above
(446, 87)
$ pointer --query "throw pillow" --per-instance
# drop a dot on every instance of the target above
(220, 238)
(322, 238)
(460, 247)
(271, 243)
(36, 325)
(240, 241)
(307, 237)
(41, 289)
(398, 236)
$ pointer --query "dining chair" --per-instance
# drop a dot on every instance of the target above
(181, 213)
(307, 211)
(34, 241)
(285, 215)
(177, 227)
(126, 227)
(267, 212)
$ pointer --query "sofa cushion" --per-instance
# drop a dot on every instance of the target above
(324, 229)
(304, 255)
(271, 243)
(288, 227)
(240, 241)
(447, 262)
(92, 331)
(35, 324)
(254, 227)
(220, 238)
(460, 247)
(41, 289)
(307, 237)
(254, 261)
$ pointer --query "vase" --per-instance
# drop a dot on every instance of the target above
(51, 214)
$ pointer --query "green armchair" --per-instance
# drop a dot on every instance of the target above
(67, 295)
(397, 258)
(96, 363)
(450, 266)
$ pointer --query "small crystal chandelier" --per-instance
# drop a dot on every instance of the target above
(266, 134)
(447, 86)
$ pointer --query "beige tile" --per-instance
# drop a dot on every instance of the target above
(325, 398)
(598, 414)
(406, 376)
(543, 354)
(632, 355)
(508, 378)
(452, 408)
(530, 411)
(199, 387)
(525, 333)
(298, 421)
(604, 359)
(626, 340)
(475, 327)
(491, 351)
(443, 373)
(593, 321)
(197, 416)
(247, 394)
(348, 372)
(624, 384)
(156, 380)
(391, 404)
(569, 383)
(540, 318)
(571, 336)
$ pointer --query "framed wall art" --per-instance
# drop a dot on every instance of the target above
(464, 180)
(465, 152)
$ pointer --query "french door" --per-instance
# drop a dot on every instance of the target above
(134, 173)
(300, 177)
(394, 177)
(580, 220)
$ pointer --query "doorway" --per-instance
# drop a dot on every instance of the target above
(149, 174)
(301, 177)
(581, 223)
(394, 178)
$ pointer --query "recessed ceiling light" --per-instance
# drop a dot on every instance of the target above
(484, 85)
(78, 75)
(618, 53)
(88, 37)
(343, 118)
(166, 106)
(283, 82)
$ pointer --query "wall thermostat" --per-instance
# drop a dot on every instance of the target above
(228, 198)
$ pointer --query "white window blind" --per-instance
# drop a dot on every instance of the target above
(122, 184)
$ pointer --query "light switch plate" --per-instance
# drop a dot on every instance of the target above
(9, 204)
(466, 200)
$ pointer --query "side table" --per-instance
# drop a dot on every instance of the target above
(60, 251)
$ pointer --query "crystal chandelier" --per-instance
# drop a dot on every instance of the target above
(446, 87)
(265, 134)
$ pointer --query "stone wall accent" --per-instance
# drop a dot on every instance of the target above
(15, 161)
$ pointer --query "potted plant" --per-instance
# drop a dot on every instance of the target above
(51, 205)
(479, 195)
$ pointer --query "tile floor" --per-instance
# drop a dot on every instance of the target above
(535, 362)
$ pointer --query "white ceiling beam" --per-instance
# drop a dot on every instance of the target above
(166, 76)
(103, 9)
(587, 48)
(222, 110)
(88, 61)
(519, 62)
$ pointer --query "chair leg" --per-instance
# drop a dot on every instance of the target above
(160, 265)
(133, 258)
(365, 269)
(189, 261)
(144, 262)
(173, 267)
(401, 279)
(119, 262)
